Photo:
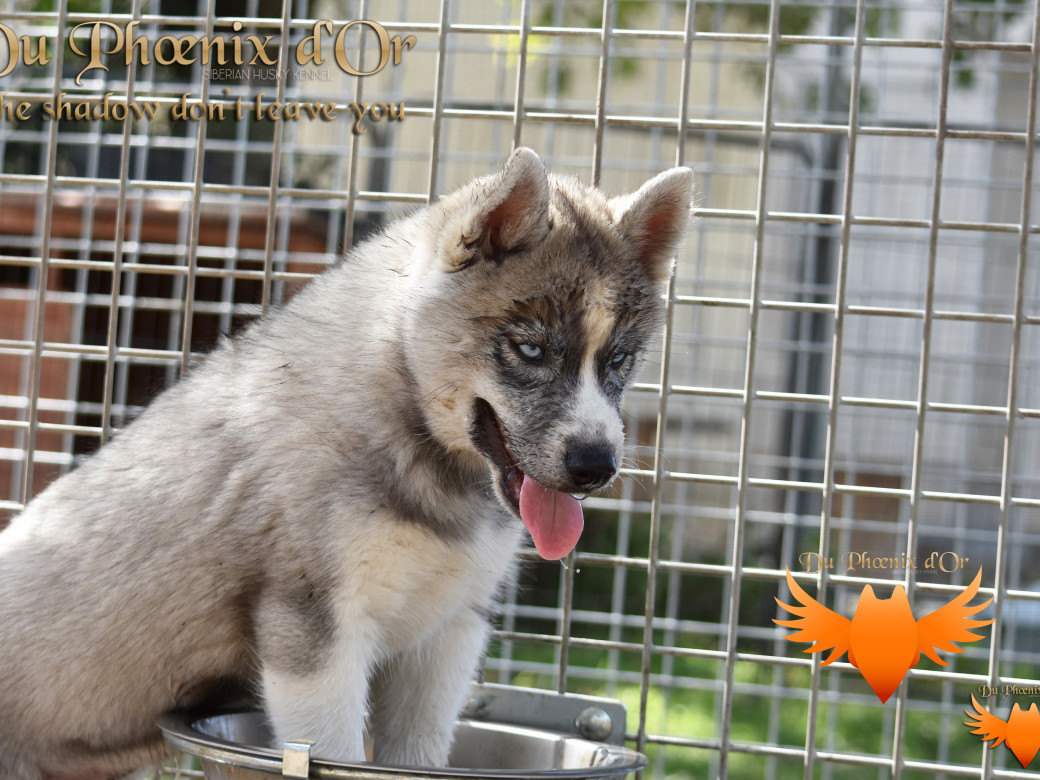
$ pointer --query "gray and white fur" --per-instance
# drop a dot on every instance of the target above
(321, 514)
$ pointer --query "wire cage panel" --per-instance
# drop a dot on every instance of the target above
(851, 362)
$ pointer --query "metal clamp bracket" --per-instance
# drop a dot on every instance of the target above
(589, 717)
(296, 759)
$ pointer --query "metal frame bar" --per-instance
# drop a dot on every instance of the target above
(1014, 362)
(41, 290)
(834, 397)
(743, 479)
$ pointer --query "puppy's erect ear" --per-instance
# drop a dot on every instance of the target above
(655, 217)
(508, 211)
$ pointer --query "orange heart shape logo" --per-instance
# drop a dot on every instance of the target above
(883, 640)
(1020, 732)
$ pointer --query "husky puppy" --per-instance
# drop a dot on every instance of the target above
(322, 513)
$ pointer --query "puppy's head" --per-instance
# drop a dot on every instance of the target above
(531, 318)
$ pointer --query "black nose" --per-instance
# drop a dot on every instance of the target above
(590, 466)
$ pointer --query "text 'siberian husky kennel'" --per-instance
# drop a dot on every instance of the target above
(838, 408)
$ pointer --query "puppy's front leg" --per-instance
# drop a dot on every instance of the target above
(321, 693)
(418, 694)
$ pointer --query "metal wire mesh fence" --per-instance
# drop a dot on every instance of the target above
(847, 386)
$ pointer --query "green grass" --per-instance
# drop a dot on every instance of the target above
(856, 722)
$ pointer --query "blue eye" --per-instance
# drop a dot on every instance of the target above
(530, 351)
(618, 360)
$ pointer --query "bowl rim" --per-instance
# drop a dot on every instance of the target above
(180, 730)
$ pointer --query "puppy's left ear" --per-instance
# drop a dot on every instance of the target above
(654, 218)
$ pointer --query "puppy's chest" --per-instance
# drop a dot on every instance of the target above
(406, 581)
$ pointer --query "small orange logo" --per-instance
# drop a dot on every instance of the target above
(883, 640)
(1021, 731)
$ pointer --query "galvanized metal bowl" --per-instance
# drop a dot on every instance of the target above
(230, 747)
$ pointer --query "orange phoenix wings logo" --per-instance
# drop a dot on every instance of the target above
(1021, 731)
(883, 640)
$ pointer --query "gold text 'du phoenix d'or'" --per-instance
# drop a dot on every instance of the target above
(98, 40)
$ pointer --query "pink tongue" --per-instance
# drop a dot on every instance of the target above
(553, 518)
